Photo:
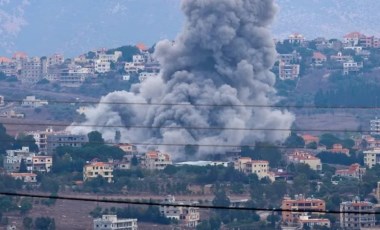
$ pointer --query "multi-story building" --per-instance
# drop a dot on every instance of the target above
(187, 216)
(338, 148)
(13, 158)
(8, 66)
(305, 220)
(145, 75)
(341, 58)
(94, 169)
(249, 166)
(70, 75)
(288, 71)
(354, 171)
(291, 58)
(32, 101)
(296, 38)
(41, 138)
(352, 67)
(375, 126)
(65, 139)
(302, 157)
(357, 214)
(111, 222)
(25, 177)
(42, 163)
(110, 57)
(156, 160)
(102, 66)
(352, 39)
(372, 157)
(31, 70)
(55, 59)
(130, 151)
(300, 205)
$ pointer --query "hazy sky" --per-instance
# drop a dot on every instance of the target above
(43, 27)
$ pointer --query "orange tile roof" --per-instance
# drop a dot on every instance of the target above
(141, 46)
(20, 54)
(99, 164)
(319, 55)
(308, 137)
(23, 174)
(5, 59)
(352, 35)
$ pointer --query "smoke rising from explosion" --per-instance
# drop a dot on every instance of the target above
(223, 57)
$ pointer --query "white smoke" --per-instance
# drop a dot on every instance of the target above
(222, 57)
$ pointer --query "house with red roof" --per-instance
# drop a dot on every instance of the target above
(318, 59)
(94, 169)
(156, 160)
(352, 38)
(353, 171)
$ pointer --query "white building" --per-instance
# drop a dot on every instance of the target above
(41, 138)
(352, 67)
(111, 222)
(187, 216)
(375, 126)
(204, 163)
(32, 101)
(13, 158)
(55, 59)
(357, 220)
(131, 67)
(138, 59)
(95, 169)
(302, 157)
(110, 57)
(25, 177)
(288, 71)
(156, 160)
(372, 157)
(42, 163)
(102, 67)
(145, 75)
(248, 166)
(31, 70)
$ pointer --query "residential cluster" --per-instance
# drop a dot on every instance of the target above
(349, 55)
(72, 72)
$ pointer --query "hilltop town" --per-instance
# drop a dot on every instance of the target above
(314, 171)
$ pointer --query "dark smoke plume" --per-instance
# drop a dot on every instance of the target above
(222, 57)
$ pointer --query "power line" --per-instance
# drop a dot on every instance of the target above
(186, 127)
(201, 105)
(179, 205)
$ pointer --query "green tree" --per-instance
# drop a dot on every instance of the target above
(49, 184)
(134, 161)
(6, 140)
(44, 223)
(25, 206)
(95, 138)
(23, 166)
(27, 222)
(26, 140)
(312, 145)
(294, 141)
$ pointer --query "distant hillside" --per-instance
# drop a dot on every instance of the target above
(328, 18)
(43, 27)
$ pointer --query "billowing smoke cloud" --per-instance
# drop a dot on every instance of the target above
(222, 57)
